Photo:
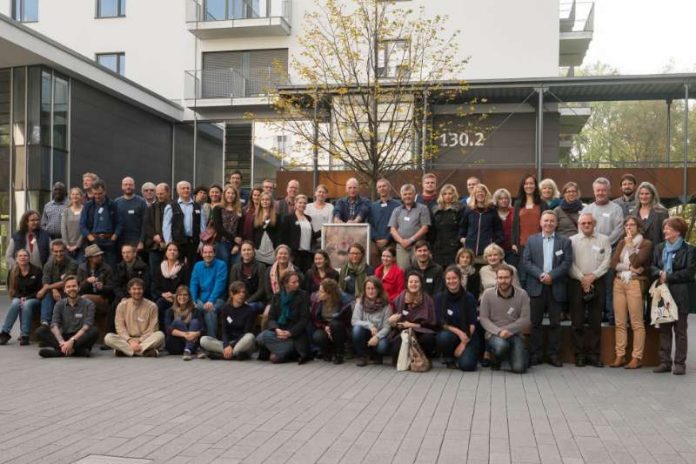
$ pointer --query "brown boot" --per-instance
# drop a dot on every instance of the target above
(634, 364)
(618, 362)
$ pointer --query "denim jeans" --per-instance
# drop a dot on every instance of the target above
(210, 317)
(154, 260)
(512, 349)
(281, 348)
(177, 345)
(24, 311)
(446, 344)
(47, 304)
(162, 307)
(222, 251)
(361, 336)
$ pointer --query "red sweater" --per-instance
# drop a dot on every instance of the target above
(393, 281)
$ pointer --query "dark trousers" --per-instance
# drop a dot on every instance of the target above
(361, 336)
(586, 337)
(679, 329)
(336, 344)
(154, 259)
(111, 253)
(189, 250)
(82, 344)
(162, 307)
(177, 345)
(302, 259)
(511, 348)
(426, 341)
(446, 344)
(546, 303)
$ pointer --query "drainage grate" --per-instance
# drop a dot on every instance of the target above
(101, 459)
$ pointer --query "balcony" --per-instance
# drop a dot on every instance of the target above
(221, 87)
(576, 31)
(226, 19)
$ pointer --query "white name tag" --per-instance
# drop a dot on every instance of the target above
(559, 252)
(100, 210)
(404, 312)
(383, 205)
(429, 280)
(131, 211)
(450, 312)
(510, 311)
(606, 215)
(229, 320)
(78, 315)
(198, 212)
(596, 248)
(347, 277)
(407, 218)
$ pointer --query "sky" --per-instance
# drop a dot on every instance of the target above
(644, 36)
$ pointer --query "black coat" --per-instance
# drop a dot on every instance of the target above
(681, 282)
(445, 234)
(161, 284)
(290, 231)
(123, 275)
(297, 322)
(255, 285)
(272, 233)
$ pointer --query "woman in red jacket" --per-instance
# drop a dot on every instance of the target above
(391, 275)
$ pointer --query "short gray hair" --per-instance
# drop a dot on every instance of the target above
(602, 181)
(407, 188)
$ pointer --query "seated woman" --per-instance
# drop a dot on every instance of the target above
(354, 272)
(23, 284)
(168, 276)
(286, 335)
(471, 280)
(391, 275)
(495, 257)
(281, 266)
(330, 318)
(320, 270)
(183, 325)
(413, 309)
(238, 321)
(456, 318)
(370, 322)
(252, 274)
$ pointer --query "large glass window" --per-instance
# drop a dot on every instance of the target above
(111, 8)
(114, 61)
(26, 11)
(217, 10)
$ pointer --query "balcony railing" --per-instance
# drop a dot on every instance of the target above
(216, 19)
(577, 15)
(233, 83)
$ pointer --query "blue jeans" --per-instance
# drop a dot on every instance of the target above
(154, 260)
(210, 317)
(446, 344)
(360, 337)
(24, 311)
(177, 345)
(281, 348)
(511, 348)
(47, 304)
(223, 250)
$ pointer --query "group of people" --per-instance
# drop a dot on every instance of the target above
(223, 272)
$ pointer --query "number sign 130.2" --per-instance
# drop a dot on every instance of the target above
(462, 139)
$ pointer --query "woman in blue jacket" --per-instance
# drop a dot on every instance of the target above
(481, 224)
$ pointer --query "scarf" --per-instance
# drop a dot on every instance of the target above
(275, 276)
(372, 305)
(625, 260)
(356, 271)
(413, 299)
(466, 272)
(285, 302)
(168, 273)
(669, 252)
(572, 207)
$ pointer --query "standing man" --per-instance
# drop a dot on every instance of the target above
(408, 224)
(431, 271)
(88, 179)
(287, 205)
(208, 287)
(380, 214)
(504, 315)
(153, 234)
(136, 325)
(547, 257)
(183, 222)
(58, 266)
(428, 195)
(609, 221)
(53, 210)
(268, 186)
(471, 184)
(72, 331)
(352, 208)
(131, 211)
(236, 182)
(148, 192)
(627, 200)
(586, 290)
(99, 223)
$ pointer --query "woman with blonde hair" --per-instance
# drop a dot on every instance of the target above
(266, 226)
(447, 217)
(650, 212)
(495, 257)
(481, 224)
(549, 192)
(70, 225)
(183, 325)
(227, 219)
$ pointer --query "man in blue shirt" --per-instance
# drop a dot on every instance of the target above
(380, 213)
(131, 211)
(208, 282)
(352, 208)
(99, 223)
(183, 222)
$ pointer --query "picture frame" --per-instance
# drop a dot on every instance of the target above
(336, 239)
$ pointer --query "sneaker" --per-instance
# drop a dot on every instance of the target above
(23, 340)
(338, 360)
(361, 362)
(187, 355)
(151, 353)
(201, 355)
(4, 338)
(50, 353)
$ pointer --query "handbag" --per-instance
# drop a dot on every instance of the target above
(402, 362)
(663, 308)
(209, 234)
(418, 361)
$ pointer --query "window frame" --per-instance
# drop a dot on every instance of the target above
(385, 48)
(121, 10)
(20, 15)
(120, 62)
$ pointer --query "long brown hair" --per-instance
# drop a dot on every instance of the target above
(333, 301)
(12, 288)
(185, 312)
(258, 217)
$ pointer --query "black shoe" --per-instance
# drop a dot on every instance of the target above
(495, 366)
(580, 361)
(23, 340)
(104, 348)
(83, 353)
(326, 357)
(264, 354)
(594, 362)
(377, 360)
(338, 360)
(4, 338)
(361, 361)
(662, 369)
(555, 361)
(303, 360)
(50, 353)
(535, 361)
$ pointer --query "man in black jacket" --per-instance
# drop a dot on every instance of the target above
(153, 234)
(431, 271)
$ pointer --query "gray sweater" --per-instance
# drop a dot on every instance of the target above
(378, 319)
(497, 313)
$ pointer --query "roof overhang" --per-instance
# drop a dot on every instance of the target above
(22, 46)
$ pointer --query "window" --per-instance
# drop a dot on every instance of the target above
(26, 11)
(217, 10)
(393, 59)
(111, 8)
(114, 61)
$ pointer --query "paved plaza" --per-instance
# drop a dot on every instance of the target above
(106, 410)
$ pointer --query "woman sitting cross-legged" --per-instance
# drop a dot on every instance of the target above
(456, 316)
(238, 320)
(330, 319)
(370, 322)
(413, 309)
(288, 317)
(183, 325)
(172, 272)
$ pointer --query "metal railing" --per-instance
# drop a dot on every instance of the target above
(232, 83)
(577, 15)
(225, 10)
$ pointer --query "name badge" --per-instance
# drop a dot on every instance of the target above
(347, 277)
(559, 252)
(131, 211)
(77, 214)
(596, 248)
(78, 315)
(404, 312)
(140, 319)
(297, 223)
(100, 210)
(383, 205)
(510, 311)
(450, 312)
(229, 320)
(243, 201)
(606, 215)
(197, 212)
(406, 218)
(429, 280)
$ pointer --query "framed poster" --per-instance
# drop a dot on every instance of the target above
(336, 239)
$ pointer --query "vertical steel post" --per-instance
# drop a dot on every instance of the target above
(539, 148)
(669, 131)
(686, 141)
(315, 147)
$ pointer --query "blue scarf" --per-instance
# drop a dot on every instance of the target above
(669, 252)
(285, 301)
